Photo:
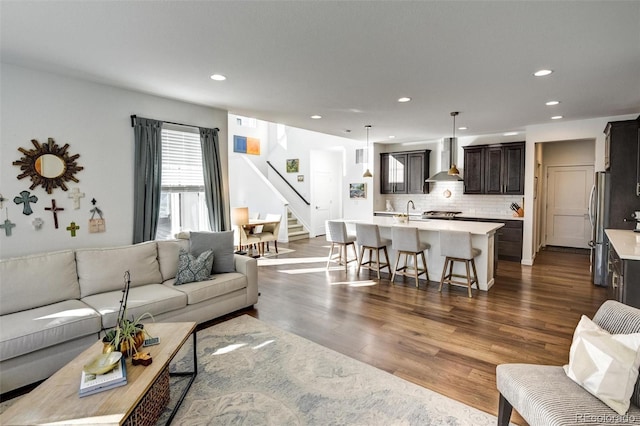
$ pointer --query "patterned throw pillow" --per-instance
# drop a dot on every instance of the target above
(192, 269)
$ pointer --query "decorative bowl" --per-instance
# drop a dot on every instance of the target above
(103, 363)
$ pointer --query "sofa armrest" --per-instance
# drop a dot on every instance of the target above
(248, 266)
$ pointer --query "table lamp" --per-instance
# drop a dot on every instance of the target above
(239, 218)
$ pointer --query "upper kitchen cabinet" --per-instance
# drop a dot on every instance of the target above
(494, 169)
(404, 172)
(623, 145)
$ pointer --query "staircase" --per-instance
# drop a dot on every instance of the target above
(296, 230)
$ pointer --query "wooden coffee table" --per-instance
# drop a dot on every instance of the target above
(141, 401)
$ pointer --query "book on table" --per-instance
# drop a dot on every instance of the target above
(94, 383)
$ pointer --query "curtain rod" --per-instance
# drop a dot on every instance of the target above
(133, 123)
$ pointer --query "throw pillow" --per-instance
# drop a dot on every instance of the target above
(604, 364)
(191, 269)
(221, 243)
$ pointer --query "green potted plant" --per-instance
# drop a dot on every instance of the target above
(128, 334)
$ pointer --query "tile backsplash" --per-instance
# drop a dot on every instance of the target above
(465, 203)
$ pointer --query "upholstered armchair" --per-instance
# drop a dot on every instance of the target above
(545, 395)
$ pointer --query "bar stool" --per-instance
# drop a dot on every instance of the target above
(406, 240)
(337, 235)
(456, 247)
(368, 237)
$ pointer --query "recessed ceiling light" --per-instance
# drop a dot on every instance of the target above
(462, 128)
(542, 73)
(556, 117)
(218, 77)
(552, 103)
(404, 99)
(510, 133)
(316, 117)
(392, 137)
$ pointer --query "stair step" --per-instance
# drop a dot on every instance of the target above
(292, 221)
(295, 228)
(294, 236)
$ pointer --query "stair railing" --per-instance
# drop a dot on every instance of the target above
(287, 182)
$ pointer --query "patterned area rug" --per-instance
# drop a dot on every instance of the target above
(251, 373)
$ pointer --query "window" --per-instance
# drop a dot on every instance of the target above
(183, 206)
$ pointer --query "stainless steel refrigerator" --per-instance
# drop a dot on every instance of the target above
(598, 216)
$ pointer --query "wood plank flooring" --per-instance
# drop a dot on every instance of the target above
(445, 341)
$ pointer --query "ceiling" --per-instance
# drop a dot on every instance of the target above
(348, 61)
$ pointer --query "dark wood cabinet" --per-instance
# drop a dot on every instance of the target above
(624, 153)
(508, 238)
(404, 172)
(624, 279)
(494, 169)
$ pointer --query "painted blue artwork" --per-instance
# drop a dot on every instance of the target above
(239, 143)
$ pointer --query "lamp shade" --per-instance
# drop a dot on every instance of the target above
(240, 215)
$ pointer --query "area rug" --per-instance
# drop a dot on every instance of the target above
(251, 373)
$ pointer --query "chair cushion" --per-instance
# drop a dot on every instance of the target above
(191, 268)
(32, 281)
(605, 364)
(545, 396)
(34, 329)
(155, 299)
(221, 243)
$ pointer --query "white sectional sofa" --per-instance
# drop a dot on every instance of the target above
(54, 305)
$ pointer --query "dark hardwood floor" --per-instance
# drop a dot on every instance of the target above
(445, 341)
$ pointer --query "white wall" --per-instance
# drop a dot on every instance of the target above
(592, 129)
(94, 119)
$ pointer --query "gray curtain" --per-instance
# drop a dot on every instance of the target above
(213, 189)
(147, 178)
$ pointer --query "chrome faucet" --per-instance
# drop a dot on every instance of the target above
(413, 206)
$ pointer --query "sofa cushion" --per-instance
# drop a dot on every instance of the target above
(221, 243)
(206, 290)
(604, 364)
(102, 270)
(168, 251)
(34, 329)
(155, 299)
(33, 281)
(193, 269)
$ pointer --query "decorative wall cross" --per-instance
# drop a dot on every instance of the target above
(7, 225)
(53, 209)
(26, 198)
(73, 228)
(76, 195)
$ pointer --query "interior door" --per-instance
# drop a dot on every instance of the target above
(322, 201)
(567, 221)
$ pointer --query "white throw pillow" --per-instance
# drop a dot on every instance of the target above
(604, 364)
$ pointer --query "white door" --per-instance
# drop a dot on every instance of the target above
(322, 200)
(567, 221)
(326, 180)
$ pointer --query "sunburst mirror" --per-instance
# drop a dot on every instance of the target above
(48, 165)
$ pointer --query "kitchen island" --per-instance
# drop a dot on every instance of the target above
(482, 237)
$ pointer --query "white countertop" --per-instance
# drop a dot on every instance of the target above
(477, 228)
(465, 215)
(625, 242)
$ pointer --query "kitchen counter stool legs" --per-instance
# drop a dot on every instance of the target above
(456, 247)
(337, 235)
(406, 240)
(368, 237)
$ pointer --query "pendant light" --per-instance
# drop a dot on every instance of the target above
(367, 173)
(453, 171)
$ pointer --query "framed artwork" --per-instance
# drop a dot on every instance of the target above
(246, 145)
(300, 178)
(357, 190)
(293, 165)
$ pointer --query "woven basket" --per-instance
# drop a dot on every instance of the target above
(149, 409)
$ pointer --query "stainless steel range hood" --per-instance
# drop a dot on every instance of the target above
(449, 146)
